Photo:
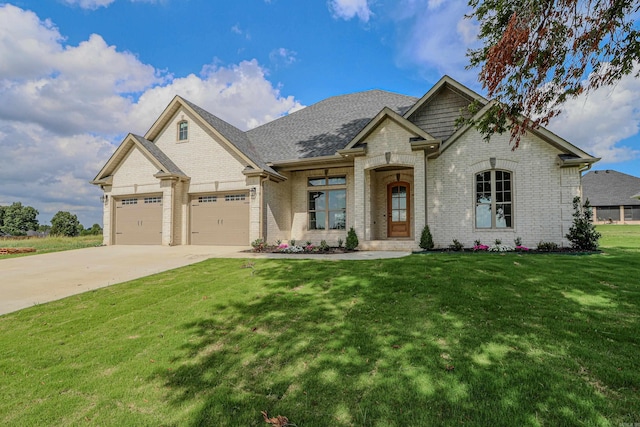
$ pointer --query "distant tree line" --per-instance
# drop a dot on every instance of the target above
(18, 220)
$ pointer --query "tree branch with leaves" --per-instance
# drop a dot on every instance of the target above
(537, 54)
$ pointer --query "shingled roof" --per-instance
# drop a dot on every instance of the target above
(325, 127)
(233, 135)
(610, 188)
(167, 164)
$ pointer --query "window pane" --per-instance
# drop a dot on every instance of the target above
(317, 220)
(337, 220)
(483, 216)
(314, 182)
(395, 215)
(338, 180)
(403, 215)
(337, 199)
(317, 200)
(503, 216)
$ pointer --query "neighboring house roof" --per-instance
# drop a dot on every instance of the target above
(325, 127)
(611, 188)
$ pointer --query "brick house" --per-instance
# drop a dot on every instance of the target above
(383, 163)
(614, 196)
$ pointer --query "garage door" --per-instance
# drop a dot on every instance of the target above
(139, 220)
(220, 219)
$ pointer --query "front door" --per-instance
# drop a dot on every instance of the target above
(398, 218)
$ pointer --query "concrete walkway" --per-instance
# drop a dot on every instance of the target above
(36, 279)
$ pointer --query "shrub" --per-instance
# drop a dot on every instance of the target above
(352, 240)
(324, 247)
(340, 243)
(518, 241)
(292, 242)
(479, 247)
(258, 245)
(582, 234)
(456, 246)
(426, 239)
(547, 246)
(499, 247)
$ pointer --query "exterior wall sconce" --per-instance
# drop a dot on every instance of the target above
(104, 198)
(253, 192)
(387, 157)
(492, 162)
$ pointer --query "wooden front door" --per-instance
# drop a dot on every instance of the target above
(398, 210)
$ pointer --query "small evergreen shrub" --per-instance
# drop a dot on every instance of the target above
(456, 246)
(352, 240)
(340, 243)
(258, 245)
(426, 239)
(324, 247)
(547, 246)
(582, 234)
(518, 241)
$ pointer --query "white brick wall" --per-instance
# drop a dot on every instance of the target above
(542, 191)
(277, 212)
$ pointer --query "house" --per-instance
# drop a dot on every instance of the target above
(615, 196)
(383, 163)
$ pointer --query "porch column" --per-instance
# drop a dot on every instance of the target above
(420, 195)
(168, 192)
(360, 199)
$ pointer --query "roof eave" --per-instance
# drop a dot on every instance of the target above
(335, 160)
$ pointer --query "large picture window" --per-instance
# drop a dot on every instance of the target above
(494, 205)
(327, 207)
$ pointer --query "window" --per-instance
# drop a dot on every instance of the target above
(207, 199)
(234, 197)
(494, 208)
(129, 201)
(608, 213)
(632, 213)
(149, 200)
(183, 130)
(328, 205)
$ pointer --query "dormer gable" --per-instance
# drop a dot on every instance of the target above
(437, 111)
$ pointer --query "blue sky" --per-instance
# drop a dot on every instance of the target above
(77, 75)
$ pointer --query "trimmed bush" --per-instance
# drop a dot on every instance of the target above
(352, 240)
(426, 239)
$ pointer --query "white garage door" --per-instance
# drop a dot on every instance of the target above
(139, 220)
(220, 219)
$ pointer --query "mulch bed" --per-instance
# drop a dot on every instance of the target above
(13, 251)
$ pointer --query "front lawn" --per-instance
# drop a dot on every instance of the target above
(47, 244)
(436, 339)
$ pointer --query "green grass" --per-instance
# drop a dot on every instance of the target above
(49, 244)
(427, 340)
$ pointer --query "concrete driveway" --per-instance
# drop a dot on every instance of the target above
(37, 279)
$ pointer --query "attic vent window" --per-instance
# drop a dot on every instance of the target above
(183, 131)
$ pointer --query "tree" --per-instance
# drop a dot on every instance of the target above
(65, 224)
(19, 219)
(582, 233)
(536, 54)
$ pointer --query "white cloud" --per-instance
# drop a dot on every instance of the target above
(282, 57)
(96, 4)
(89, 4)
(65, 109)
(347, 9)
(598, 121)
(434, 35)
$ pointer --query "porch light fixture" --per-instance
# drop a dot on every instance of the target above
(387, 156)
(492, 162)
(253, 192)
(104, 198)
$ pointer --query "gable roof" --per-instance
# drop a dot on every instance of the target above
(157, 157)
(445, 82)
(387, 113)
(325, 127)
(611, 188)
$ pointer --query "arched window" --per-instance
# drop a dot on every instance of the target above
(494, 202)
(183, 130)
